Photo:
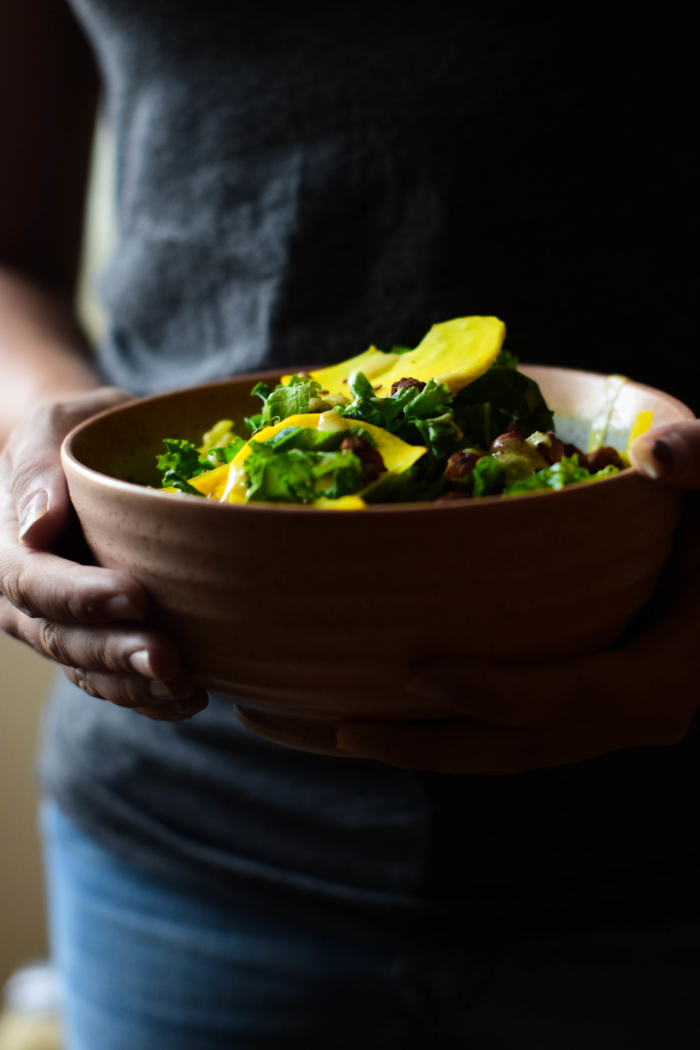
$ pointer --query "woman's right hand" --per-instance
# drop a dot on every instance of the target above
(85, 618)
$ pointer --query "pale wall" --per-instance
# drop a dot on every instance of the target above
(24, 681)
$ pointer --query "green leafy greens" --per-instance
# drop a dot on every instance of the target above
(299, 476)
(300, 464)
(183, 461)
(418, 417)
(500, 397)
(566, 472)
(291, 399)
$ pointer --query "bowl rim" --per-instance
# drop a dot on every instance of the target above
(145, 492)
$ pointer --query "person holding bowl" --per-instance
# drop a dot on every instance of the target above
(293, 183)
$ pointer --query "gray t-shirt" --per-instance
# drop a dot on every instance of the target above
(294, 181)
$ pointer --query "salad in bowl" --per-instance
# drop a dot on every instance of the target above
(451, 419)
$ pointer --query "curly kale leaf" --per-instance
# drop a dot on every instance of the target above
(418, 417)
(338, 473)
(567, 472)
(366, 407)
(285, 477)
(308, 439)
(287, 400)
(488, 477)
(183, 461)
(179, 464)
(298, 476)
(428, 418)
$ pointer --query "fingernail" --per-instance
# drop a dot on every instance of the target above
(121, 608)
(141, 663)
(366, 742)
(36, 507)
(162, 691)
(661, 457)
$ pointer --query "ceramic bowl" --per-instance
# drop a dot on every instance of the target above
(312, 617)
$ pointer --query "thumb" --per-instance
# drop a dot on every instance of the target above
(37, 481)
(670, 454)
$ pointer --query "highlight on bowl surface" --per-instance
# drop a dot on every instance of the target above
(452, 419)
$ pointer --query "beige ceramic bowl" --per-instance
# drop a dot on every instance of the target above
(312, 617)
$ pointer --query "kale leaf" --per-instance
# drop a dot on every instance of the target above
(506, 360)
(566, 472)
(285, 400)
(215, 457)
(488, 477)
(343, 473)
(428, 418)
(367, 407)
(295, 475)
(183, 461)
(285, 477)
(254, 423)
(501, 396)
(181, 485)
(418, 417)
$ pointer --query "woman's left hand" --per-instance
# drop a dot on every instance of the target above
(511, 719)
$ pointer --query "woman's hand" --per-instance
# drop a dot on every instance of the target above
(85, 618)
(510, 719)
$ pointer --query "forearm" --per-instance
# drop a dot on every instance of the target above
(43, 353)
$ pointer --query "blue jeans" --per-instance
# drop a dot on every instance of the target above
(149, 967)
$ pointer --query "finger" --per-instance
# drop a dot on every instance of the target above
(137, 693)
(460, 746)
(659, 671)
(120, 649)
(33, 458)
(175, 712)
(670, 454)
(127, 667)
(42, 584)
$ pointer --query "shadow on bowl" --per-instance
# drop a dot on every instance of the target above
(312, 617)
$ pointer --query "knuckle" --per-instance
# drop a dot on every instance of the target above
(17, 588)
(116, 689)
(50, 641)
(87, 681)
(109, 688)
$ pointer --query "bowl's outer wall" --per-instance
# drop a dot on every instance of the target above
(319, 614)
